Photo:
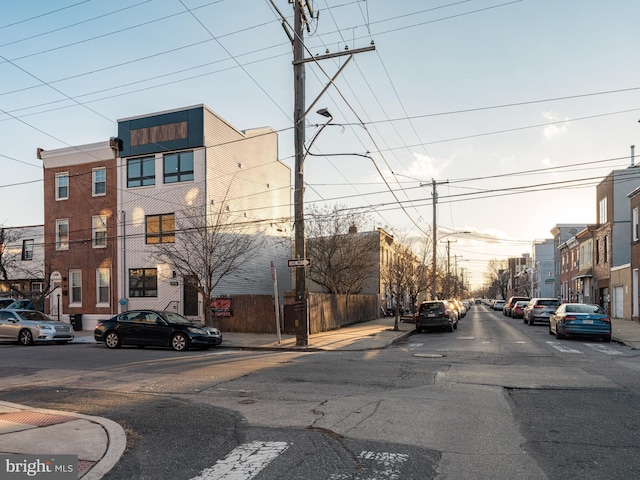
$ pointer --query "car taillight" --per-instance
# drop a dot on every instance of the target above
(606, 319)
(538, 306)
(570, 317)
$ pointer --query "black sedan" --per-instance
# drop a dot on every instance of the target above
(155, 328)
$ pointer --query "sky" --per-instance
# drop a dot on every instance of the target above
(515, 109)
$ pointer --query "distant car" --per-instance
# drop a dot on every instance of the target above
(580, 319)
(517, 311)
(436, 314)
(155, 328)
(498, 305)
(24, 304)
(29, 326)
(540, 310)
(506, 310)
(460, 309)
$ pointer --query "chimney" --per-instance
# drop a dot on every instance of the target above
(633, 148)
(353, 229)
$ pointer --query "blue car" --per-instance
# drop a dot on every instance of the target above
(580, 319)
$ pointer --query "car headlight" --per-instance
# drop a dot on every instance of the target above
(44, 327)
(198, 331)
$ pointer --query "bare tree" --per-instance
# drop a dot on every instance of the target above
(398, 276)
(343, 259)
(496, 278)
(208, 247)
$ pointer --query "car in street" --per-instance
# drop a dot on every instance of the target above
(517, 311)
(506, 310)
(461, 310)
(540, 310)
(5, 302)
(498, 305)
(30, 326)
(157, 328)
(440, 314)
(580, 319)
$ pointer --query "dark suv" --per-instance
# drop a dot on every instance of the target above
(506, 310)
(436, 314)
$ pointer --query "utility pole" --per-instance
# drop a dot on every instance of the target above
(434, 194)
(302, 16)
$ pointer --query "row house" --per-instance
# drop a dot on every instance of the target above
(108, 205)
(568, 253)
(634, 204)
(518, 277)
(561, 233)
(543, 269)
(23, 261)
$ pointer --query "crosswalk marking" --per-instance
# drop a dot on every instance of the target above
(244, 462)
(603, 349)
(563, 348)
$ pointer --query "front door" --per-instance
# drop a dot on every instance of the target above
(190, 295)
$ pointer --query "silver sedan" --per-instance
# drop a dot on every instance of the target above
(29, 326)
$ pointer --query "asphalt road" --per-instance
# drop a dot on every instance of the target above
(495, 399)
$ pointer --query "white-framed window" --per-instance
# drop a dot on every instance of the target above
(99, 181)
(62, 234)
(102, 286)
(635, 224)
(99, 231)
(75, 290)
(602, 211)
(62, 186)
(27, 250)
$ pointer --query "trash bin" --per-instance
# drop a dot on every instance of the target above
(76, 321)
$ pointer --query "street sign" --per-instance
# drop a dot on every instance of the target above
(298, 262)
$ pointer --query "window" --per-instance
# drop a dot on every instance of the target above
(75, 277)
(99, 231)
(605, 257)
(143, 282)
(160, 228)
(141, 172)
(62, 186)
(589, 253)
(178, 167)
(635, 224)
(62, 234)
(102, 286)
(597, 252)
(99, 181)
(27, 250)
(602, 211)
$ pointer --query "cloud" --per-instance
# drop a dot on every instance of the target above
(556, 126)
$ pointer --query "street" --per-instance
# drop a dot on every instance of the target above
(496, 399)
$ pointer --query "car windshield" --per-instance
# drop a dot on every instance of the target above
(175, 318)
(33, 315)
(548, 303)
(584, 308)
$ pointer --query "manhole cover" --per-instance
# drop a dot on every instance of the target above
(429, 355)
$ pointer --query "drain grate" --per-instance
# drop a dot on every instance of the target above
(37, 419)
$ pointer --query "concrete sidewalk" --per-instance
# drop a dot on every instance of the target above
(99, 442)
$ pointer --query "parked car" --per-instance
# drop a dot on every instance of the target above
(517, 311)
(506, 310)
(540, 310)
(580, 319)
(436, 314)
(155, 328)
(461, 310)
(5, 302)
(29, 326)
(498, 305)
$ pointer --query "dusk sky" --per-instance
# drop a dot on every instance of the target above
(517, 109)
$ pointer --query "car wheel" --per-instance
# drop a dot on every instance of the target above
(531, 321)
(606, 338)
(179, 342)
(25, 337)
(451, 327)
(112, 340)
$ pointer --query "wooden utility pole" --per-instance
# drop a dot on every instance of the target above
(302, 16)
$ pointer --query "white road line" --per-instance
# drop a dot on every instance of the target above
(244, 462)
(413, 346)
(603, 349)
(387, 465)
(562, 348)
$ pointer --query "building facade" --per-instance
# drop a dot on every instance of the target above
(80, 217)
